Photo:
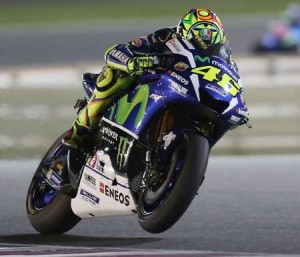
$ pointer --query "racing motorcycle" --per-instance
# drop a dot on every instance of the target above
(150, 151)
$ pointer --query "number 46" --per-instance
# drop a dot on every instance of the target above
(210, 73)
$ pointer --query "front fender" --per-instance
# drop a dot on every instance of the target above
(170, 140)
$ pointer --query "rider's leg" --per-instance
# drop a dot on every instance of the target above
(110, 85)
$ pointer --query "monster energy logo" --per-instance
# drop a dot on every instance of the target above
(122, 155)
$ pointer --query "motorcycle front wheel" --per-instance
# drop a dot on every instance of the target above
(48, 210)
(160, 209)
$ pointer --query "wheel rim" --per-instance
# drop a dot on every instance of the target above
(42, 193)
(151, 201)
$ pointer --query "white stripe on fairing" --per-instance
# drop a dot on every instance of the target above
(121, 128)
(195, 81)
(232, 103)
(177, 48)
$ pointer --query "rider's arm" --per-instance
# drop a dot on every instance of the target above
(118, 56)
(135, 54)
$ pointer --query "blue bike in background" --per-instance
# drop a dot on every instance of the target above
(283, 35)
(151, 148)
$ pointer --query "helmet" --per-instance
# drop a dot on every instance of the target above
(203, 29)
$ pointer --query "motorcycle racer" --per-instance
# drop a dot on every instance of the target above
(126, 62)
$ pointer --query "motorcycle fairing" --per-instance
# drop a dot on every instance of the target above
(102, 191)
(190, 77)
(99, 194)
(104, 186)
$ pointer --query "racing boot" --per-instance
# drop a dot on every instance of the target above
(79, 142)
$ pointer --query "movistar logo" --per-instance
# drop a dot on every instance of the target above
(202, 59)
(124, 108)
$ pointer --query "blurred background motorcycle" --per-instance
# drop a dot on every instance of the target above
(283, 34)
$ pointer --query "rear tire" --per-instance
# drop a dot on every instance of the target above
(49, 211)
(164, 212)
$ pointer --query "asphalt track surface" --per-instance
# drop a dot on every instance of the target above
(246, 204)
(69, 43)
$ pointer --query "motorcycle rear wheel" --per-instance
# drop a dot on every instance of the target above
(49, 211)
(185, 176)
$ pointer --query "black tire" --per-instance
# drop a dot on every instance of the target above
(158, 217)
(55, 216)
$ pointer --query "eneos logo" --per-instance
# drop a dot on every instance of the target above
(114, 194)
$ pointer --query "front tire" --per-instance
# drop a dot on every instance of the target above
(48, 210)
(187, 169)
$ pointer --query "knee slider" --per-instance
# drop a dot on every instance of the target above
(106, 79)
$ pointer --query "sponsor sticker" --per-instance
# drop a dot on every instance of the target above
(224, 67)
(179, 78)
(123, 149)
(114, 194)
(234, 119)
(175, 45)
(216, 89)
(96, 163)
(179, 88)
(110, 134)
(202, 59)
(88, 197)
(168, 139)
(137, 42)
(119, 56)
(89, 180)
(181, 66)
(93, 161)
(53, 177)
(155, 97)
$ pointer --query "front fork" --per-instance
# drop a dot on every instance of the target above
(171, 128)
(153, 173)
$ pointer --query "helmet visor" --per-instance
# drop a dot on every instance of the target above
(206, 34)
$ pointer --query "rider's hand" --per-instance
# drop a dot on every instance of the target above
(138, 64)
